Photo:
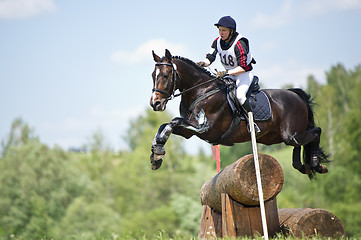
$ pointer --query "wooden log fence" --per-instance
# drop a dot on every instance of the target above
(230, 205)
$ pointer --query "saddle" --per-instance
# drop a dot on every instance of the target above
(260, 104)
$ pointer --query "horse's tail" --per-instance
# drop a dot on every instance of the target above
(309, 103)
(312, 147)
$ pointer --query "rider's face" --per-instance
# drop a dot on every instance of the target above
(224, 32)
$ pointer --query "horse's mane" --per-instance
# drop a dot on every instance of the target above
(194, 65)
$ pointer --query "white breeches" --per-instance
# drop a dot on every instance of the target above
(243, 81)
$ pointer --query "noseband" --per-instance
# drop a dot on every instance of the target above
(168, 95)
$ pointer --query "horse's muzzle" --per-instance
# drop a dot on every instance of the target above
(157, 103)
(158, 106)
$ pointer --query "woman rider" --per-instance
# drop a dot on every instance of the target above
(236, 57)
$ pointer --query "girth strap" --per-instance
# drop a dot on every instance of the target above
(201, 98)
(225, 137)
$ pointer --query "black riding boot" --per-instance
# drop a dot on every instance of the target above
(248, 108)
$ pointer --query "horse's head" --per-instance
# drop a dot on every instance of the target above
(164, 81)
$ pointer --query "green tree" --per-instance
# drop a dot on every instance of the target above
(144, 127)
(36, 185)
(313, 87)
(97, 142)
(231, 154)
(350, 133)
(50, 193)
(84, 219)
(338, 112)
(147, 199)
(20, 133)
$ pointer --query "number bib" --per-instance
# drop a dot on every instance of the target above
(228, 57)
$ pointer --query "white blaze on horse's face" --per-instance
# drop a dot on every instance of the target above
(154, 95)
(157, 72)
(153, 98)
(159, 98)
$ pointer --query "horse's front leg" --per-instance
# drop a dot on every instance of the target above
(157, 149)
(179, 126)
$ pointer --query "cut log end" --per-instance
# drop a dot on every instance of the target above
(307, 222)
(271, 177)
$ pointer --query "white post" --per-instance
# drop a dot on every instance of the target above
(258, 175)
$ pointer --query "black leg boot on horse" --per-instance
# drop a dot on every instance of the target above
(313, 154)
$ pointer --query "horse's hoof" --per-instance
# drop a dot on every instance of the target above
(156, 164)
(158, 149)
(321, 169)
(157, 157)
(305, 169)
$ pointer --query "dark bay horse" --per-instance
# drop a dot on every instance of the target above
(206, 113)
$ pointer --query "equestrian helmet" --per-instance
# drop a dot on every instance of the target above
(227, 22)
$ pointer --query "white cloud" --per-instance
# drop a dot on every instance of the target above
(281, 18)
(144, 51)
(290, 10)
(10, 9)
(314, 8)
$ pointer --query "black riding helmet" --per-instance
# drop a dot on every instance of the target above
(227, 22)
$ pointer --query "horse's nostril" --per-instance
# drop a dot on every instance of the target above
(157, 103)
(157, 106)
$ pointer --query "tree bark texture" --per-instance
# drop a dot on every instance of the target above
(211, 224)
(240, 220)
(238, 180)
(307, 222)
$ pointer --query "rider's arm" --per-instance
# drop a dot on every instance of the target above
(211, 56)
(235, 71)
(241, 49)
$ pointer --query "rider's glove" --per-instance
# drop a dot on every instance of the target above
(201, 64)
(221, 74)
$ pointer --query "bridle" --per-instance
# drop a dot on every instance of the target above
(175, 74)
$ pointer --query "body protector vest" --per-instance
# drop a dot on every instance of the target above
(228, 57)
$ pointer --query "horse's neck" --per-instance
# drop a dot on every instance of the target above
(191, 77)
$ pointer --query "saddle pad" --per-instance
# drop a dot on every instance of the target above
(262, 110)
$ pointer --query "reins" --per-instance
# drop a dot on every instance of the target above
(196, 86)
(174, 80)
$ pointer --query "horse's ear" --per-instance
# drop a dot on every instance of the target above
(168, 55)
(155, 56)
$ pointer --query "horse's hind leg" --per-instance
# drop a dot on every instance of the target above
(312, 152)
(296, 161)
(310, 140)
(297, 139)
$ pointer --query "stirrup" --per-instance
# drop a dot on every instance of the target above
(256, 128)
(245, 114)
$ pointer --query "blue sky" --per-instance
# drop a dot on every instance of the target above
(70, 68)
